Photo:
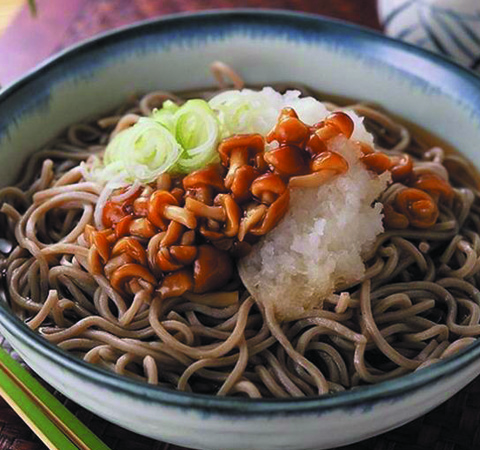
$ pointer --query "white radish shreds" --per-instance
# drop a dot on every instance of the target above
(248, 111)
(318, 246)
(359, 131)
(309, 109)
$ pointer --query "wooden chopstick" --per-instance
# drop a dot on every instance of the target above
(51, 421)
(32, 415)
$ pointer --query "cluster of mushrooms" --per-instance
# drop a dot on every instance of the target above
(181, 234)
(415, 194)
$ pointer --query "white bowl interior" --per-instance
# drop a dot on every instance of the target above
(102, 79)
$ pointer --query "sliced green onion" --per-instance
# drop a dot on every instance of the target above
(198, 132)
(181, 139)
(165, 115)
(246, 111)
(196, 129)
(141, 152)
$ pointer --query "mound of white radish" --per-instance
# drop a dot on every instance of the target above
(319, 246)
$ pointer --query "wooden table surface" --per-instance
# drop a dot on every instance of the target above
(60, 23)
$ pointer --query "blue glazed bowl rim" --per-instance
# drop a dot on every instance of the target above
(364, 397)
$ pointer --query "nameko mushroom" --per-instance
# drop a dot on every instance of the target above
(181, 233)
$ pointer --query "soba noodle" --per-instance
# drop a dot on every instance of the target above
(418, 302)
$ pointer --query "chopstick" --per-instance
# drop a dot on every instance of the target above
(51, 421)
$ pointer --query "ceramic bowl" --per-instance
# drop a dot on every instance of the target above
(174, 53)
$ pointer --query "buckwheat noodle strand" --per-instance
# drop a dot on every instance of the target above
(417, 304)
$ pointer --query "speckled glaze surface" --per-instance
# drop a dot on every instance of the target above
(175, 53)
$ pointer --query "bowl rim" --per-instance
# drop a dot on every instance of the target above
(357, 398)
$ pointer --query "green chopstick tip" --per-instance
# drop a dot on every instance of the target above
(51, 404)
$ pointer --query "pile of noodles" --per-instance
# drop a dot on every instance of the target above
(418, 302)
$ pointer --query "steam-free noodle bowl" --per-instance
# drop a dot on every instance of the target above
(121, 276)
